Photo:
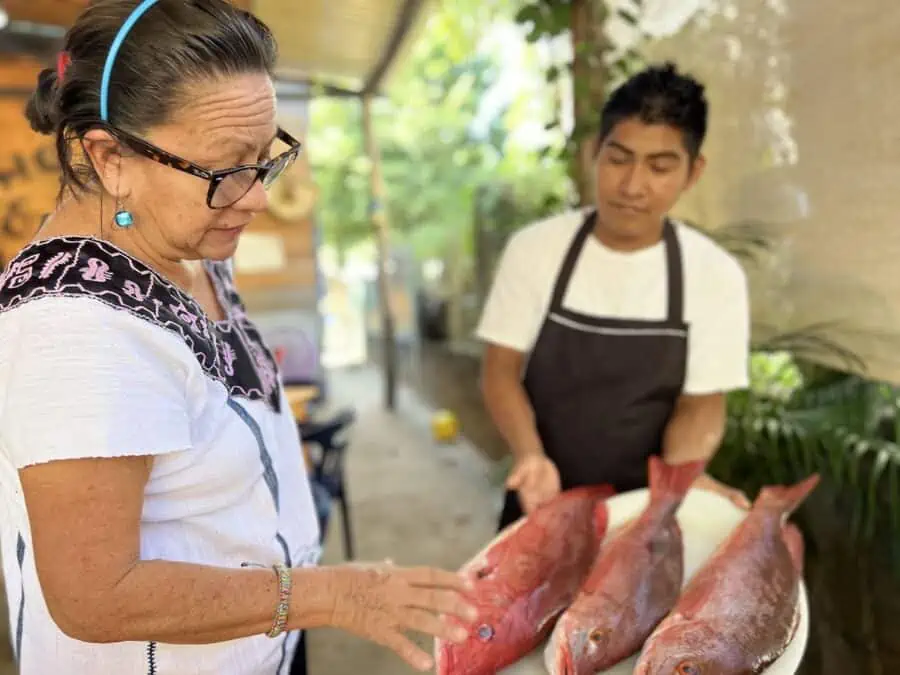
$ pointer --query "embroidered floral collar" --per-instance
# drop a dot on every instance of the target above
(230, 351)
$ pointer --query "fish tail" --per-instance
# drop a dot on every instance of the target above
(786, 498)
(794, 542)
(601, 511)
(671, 482)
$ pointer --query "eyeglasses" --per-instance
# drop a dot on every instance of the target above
(226, 186)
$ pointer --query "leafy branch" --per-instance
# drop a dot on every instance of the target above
(595, 68)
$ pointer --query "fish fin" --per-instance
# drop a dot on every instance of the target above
(794, 542)
(606, 491)
(672, 481)
(601, 520)
(786, 498)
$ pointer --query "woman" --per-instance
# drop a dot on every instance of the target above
(158, 517)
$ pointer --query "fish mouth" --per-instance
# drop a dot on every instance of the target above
(565, 664)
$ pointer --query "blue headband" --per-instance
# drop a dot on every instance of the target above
(113, 52)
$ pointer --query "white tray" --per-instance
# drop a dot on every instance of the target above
(706, 519)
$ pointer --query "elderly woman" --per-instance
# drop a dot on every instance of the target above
(157, 514)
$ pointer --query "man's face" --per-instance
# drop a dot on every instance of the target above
(641, 170)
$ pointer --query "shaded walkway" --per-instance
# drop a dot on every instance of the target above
(413, 501)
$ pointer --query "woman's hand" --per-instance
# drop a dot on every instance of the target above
(536, 480)
(381, 602)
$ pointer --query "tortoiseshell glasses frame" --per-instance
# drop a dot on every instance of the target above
(226, 186)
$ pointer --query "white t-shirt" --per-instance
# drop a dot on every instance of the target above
(87, 370)
(627, 286)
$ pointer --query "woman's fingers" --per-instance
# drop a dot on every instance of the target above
(406, 650)
(441, 602)
(426, 622)
(434, 577)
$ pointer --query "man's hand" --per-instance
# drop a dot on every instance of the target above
(735, 496)
(535, 478)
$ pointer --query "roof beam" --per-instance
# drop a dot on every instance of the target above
(405, 20)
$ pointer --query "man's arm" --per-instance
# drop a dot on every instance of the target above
(718, 362)
(695, 429)
(506, 401)
(509, 324)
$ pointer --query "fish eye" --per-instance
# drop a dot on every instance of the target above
(688, 668)
(597, 635)
(485, 632)
(483, 573)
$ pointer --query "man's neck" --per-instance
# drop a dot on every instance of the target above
(625, 243)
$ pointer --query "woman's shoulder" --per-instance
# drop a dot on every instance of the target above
(83, 294)
(86, 329)
(70, 273)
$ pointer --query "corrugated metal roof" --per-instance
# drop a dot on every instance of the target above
(349, 44)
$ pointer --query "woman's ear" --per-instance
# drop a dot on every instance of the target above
(105, 155)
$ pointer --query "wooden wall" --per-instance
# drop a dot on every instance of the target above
(28, 168)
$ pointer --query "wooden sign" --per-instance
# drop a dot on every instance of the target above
(29, 174)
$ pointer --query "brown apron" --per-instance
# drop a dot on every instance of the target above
(604, 388)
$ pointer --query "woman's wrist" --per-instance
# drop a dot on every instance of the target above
(313, 598)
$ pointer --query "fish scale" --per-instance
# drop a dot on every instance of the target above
(632, 585)
(525, 578)
(739, 612)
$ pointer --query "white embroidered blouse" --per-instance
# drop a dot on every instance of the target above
(102, 357)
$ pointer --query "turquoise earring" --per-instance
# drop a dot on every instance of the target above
(124, 218)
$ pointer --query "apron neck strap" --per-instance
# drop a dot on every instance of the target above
(675, 275)
(568, 266)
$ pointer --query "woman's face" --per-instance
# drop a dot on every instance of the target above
(223, 123)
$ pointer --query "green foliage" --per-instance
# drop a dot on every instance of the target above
(798, 417)
(439, 140)
(548, 19)
(846, 430)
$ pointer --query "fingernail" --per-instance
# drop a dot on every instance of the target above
(460, 634)
(425, 663)
(471, 613)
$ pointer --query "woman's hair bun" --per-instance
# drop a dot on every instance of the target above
(42, 110)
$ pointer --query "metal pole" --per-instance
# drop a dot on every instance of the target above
(380, 225)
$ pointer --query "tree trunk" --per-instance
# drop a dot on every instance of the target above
(379, 222)
(589, 80)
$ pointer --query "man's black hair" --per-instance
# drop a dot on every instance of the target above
(660, 95)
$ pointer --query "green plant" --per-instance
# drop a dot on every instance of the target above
(597, 66)
(845, 428)
(799, 417)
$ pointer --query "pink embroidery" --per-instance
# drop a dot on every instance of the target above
(54, 262)
(265, 369)
(133, 290)
(182, 313)
(232, 353)
(21, 271)
(96, 270)
(228, 357)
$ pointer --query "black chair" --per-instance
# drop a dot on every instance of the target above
(328, 464)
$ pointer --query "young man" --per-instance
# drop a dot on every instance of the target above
(613, 333)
